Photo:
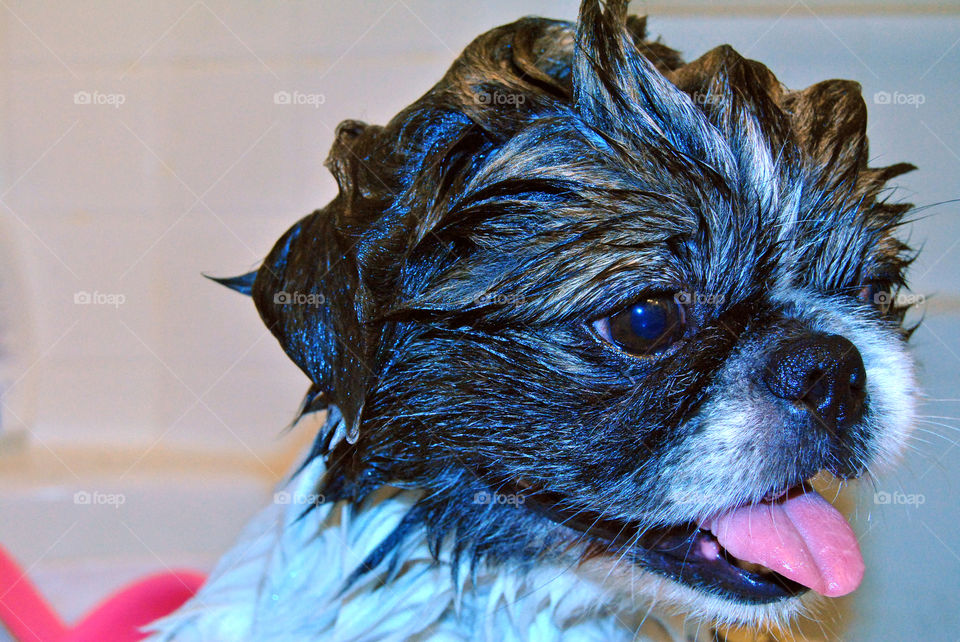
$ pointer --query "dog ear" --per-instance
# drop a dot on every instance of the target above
(305, 292)
(309, 290)
(830, 125)
(837, 142)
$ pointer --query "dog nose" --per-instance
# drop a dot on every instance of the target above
(823, 372)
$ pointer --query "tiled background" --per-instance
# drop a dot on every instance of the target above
(198, 170)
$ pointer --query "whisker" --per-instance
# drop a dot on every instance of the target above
(936, 433)
(928, 417)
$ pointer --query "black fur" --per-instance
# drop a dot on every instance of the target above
(554, 175)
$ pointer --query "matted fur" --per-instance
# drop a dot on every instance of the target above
(556, 174)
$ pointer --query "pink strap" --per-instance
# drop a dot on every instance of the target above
(23, 610)
(118, 618)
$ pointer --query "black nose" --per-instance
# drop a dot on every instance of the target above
(823, 372)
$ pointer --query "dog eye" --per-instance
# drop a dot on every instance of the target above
(876, 295)
(646, 327)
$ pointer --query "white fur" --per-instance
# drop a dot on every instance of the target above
(282, 581)
(734, 424)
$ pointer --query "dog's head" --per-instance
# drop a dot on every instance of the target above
(600, 303)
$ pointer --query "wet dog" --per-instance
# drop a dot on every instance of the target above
(587, 320)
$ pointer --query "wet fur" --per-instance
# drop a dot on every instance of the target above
(555, 174)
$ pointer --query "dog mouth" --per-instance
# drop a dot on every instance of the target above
(791, 542)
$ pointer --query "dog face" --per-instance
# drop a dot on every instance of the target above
(644, 299)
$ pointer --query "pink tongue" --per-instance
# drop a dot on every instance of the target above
(803, 538)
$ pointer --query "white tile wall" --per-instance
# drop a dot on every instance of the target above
(200, 171)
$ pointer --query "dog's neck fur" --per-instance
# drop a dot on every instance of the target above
(288, 577)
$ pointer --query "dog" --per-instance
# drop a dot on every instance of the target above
(586, 320)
